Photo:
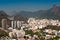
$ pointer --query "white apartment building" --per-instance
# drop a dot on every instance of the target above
(16, 24)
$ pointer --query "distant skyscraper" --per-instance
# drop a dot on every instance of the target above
(4, 23)
(15, 24)
(12, 24)
(18, 24)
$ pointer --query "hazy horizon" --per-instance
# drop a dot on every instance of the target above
(27, 5)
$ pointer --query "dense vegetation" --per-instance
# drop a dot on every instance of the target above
(3, 33)
(52, 27)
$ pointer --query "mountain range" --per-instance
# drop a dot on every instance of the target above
(51, 13)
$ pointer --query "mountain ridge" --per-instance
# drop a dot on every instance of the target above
(51, 13)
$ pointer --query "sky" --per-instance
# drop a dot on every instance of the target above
(27, 5)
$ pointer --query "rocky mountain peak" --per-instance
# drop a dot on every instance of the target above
(55, 8)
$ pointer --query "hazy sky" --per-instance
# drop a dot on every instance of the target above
(28, 5)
